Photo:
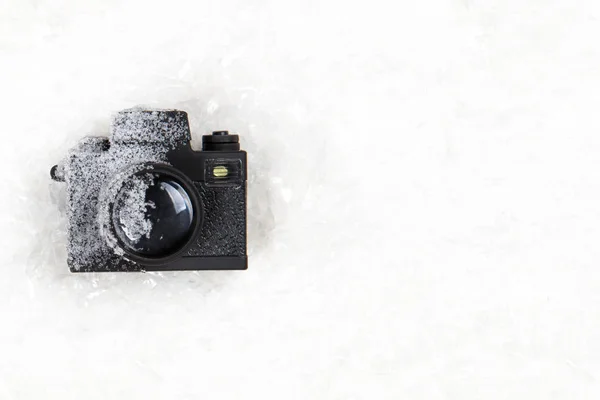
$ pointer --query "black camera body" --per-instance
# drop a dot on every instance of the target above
(144, 200)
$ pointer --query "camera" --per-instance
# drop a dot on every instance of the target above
(144, 200)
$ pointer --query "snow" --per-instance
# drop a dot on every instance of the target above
(423, 190)
(131, 214)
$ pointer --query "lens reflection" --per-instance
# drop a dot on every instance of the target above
(152, 215)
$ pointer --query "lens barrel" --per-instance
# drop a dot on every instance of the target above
(156, 214)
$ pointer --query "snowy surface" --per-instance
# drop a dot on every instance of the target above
(423, 201)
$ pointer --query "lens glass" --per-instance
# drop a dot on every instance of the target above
(153, 215)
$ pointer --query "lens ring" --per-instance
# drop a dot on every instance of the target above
(145, 238)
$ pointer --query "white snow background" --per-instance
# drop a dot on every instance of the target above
(423, 212)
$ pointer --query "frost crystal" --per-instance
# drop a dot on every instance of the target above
(132, 206)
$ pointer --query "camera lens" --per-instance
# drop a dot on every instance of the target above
(153, 215)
